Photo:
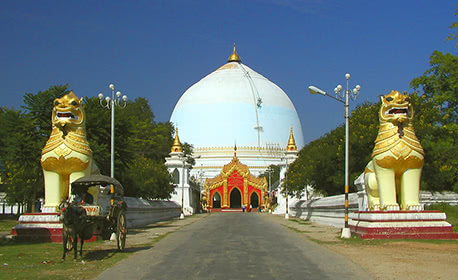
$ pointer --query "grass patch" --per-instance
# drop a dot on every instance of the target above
(37, 261)
(356, 240)
(19, 260)
(450, 210)
(43, 260)
(324, 242)
(294, 229)
(159, 238)
(7, 222)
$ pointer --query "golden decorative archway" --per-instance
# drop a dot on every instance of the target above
(235, 175)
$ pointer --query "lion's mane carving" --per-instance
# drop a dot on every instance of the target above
(392, 177)
(66, 155)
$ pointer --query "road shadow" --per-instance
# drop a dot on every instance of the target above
(104, 254)
(161, 226)
(149, 228)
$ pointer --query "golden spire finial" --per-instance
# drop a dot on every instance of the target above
(176, 146)
(291, 143)
(234, 57)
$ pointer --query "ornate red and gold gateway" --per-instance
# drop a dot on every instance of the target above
(234, 188)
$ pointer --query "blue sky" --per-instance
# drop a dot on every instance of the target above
(158, 49)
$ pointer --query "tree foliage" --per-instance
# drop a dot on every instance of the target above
(436, 99)
(141, 145)
(272, 173)
(149, 178)
(454, 26)
(24, 134)
(321, 163)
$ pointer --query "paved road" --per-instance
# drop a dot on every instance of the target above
(235, 246)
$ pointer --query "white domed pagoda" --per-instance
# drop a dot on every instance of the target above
(235, 106)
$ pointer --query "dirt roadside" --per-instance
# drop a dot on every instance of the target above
(385, 260)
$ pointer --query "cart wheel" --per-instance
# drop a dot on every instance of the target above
(121, 230)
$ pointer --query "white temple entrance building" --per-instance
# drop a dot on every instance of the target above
(236, 106)
(232, 106)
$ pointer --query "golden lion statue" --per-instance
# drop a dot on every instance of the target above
(66, 155)
(392, 177)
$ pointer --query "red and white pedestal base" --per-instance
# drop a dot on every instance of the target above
(401, 225)
(40, 227)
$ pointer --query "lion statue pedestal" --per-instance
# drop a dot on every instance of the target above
(65, 158)
(392, 181)
(67, 155)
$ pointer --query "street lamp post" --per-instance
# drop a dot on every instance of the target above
(182, 190)
(343, 97)
(269, 171)
(286, 190)
(110, 103)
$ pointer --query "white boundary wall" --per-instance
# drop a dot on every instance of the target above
(327, 210)
(331, 211)
(142, 212)
(6, 209)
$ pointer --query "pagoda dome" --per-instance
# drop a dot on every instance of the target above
(235, 105)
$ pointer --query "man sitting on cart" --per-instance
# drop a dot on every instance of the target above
(83, 197)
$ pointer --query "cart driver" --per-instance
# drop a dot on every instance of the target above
(84, 197)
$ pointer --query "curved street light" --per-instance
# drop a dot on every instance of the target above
(343, 97)
(109, 103)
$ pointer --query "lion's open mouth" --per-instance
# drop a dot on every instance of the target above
(66, 115)
(398, 111)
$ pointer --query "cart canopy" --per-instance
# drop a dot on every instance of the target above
(94, 180)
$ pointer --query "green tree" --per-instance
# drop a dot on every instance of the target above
(141, 145)
(150, 179)
(39, 107)
(147, 137)
(140, 148)
(3, 132)
(188, 152)
(436, 100)
(21, 152)
(364, 123)
(21, 183)
(454, 26)
(98, 130)
(321, 163)
(273, 173)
